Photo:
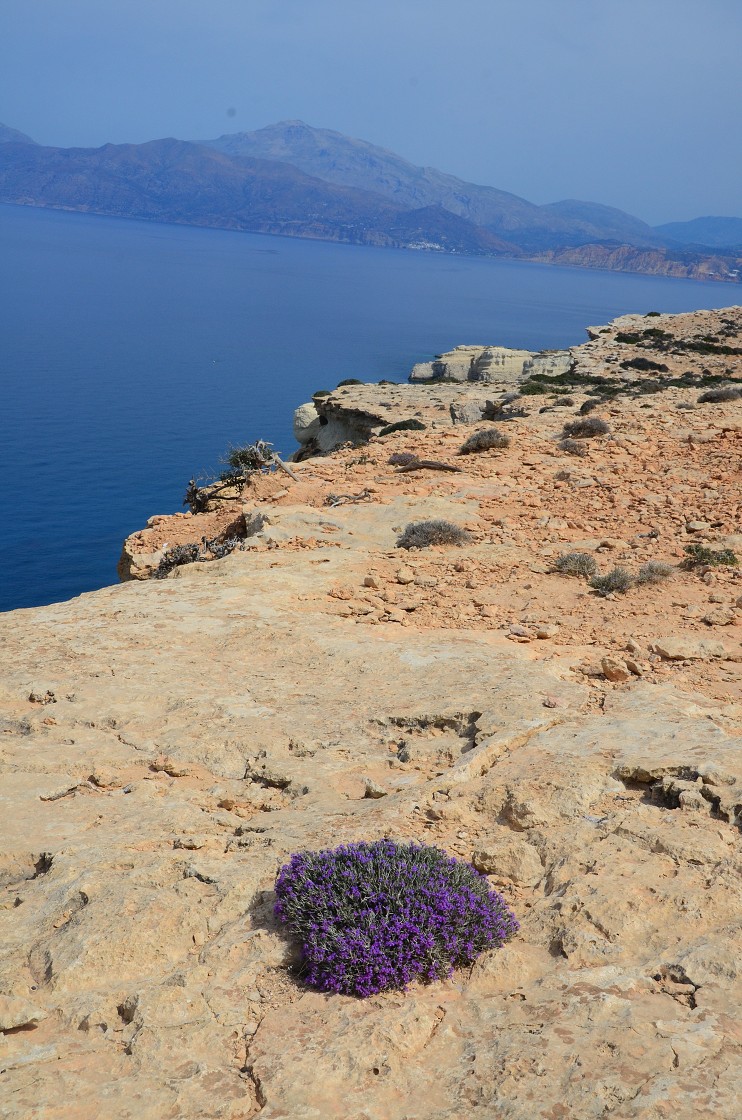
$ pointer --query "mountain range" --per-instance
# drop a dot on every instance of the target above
(292, 179)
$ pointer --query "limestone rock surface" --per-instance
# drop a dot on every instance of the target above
(166, 745)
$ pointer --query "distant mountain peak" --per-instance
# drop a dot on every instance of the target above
(10, 135)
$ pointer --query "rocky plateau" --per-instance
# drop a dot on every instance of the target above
(166, 744)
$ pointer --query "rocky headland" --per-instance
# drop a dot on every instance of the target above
(168, 743)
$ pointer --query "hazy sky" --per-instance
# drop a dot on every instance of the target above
(634, 103)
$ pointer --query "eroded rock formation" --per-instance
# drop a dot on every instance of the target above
(167, 744)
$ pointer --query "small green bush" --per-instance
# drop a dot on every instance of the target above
(576, 564)
(322, 393)
(402, 459)
(422, 534)
(698, 555)
(533, 389)
(349, 381)
(489, 439)
(654, 571)
(403, 426)
(617, 580)
(586, 428)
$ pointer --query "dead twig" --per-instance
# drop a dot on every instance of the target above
(429, 465)
(282, 466)
(333, 500)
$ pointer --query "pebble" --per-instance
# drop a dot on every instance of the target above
(614, 669)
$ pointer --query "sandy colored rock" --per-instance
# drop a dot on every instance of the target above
(166, 745)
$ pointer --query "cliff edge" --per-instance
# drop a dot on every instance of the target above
(168, 743)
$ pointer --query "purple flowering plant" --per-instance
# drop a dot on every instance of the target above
(372, 916)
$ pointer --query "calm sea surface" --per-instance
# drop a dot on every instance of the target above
(132, 355)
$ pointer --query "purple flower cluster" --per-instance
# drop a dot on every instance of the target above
(377, 916)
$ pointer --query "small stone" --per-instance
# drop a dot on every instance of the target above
(687, 649)
(374, 790)
(17, 1012)
(395, 615)
(371, 581)
(632, 646)
(519, 631)
(634, 667)
(513, 859)
(405, 575)
(614, 669)
(613, 543)
(697, 526)
(546, 630)
(721, 616)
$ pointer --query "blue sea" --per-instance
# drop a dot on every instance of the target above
(132, 355)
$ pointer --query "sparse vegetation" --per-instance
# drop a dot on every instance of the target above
(254, 457)
(576, 564)
(242, 462)
(402, 459)
(422, 534)
(562, 476)
(180, 554)
(533, 388)
(644, 364)
(488, 439)
(376, 916)
(322, 393)
(350, 381)
(618, 580)
(717, 396)
(589, 404)
(586, 428)
(411, 425)
(654, 571)
(573, 447)
(699, 555)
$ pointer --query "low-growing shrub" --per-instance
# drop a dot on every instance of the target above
(589, 405)
(586, 428)
(421, 534)
(349, 381)
(618, 580)
(576, 564)
(403, 426)
(253, 457)
(402, 459)
(215, 549)
(489, 439)
(717, 396)
(375, 916)
(533, 389)
(645, 364)
(654, 571)
(699, 555)
(322, 393)
(573, 447)
(175, 557)
(564, 402)
(562, 476)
